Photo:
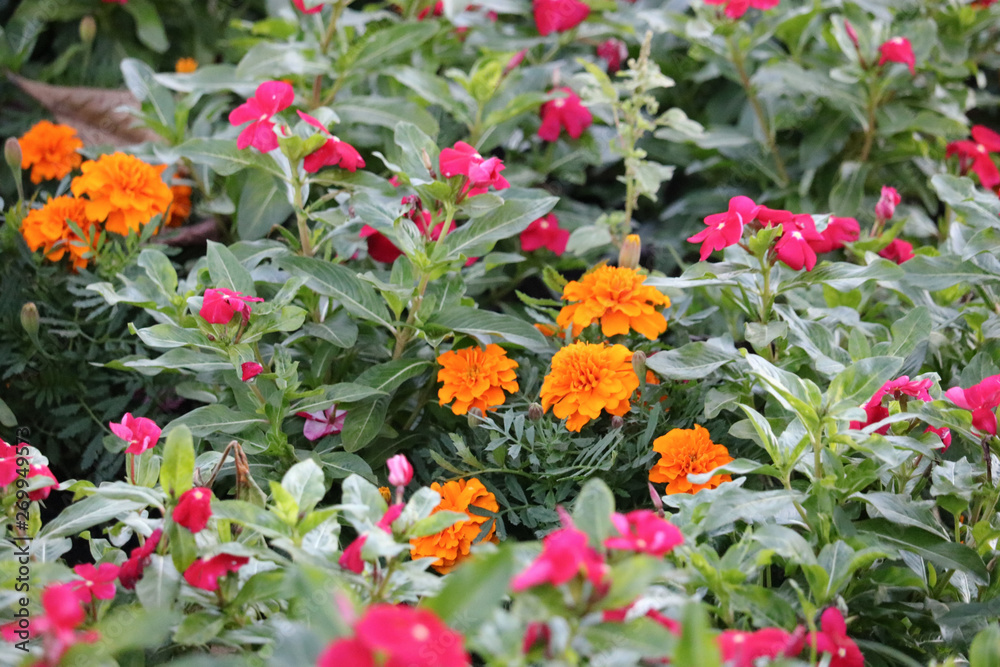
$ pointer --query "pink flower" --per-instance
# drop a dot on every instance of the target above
(613, 52)
(536, 632)
(301, 6)
(852, 34)
(833, 639)
(564, 113)
(322, 422)
(838, 232)
(140, 433)
(976, 154)
(400, 470)
(131, 570)
(438, 10)
(565, 553)
(558, 15)
(204, 574)
(464, 160)
(457, 160)
(793, 248)
(545, 233)
(725, 229)
(98, 582)
(895, 389)
(942, 432)
(737, 8)
(220, 304)
(885, 208)
(351, 558)
(772, 217)
(380, 248)
(391, 514)
(270, 98)
(742, 649)
(251, 369)
(515, 61)
(642, 531)
(397, 636)
(194, 509)
(331, 154)
(898, 251)
(898, 50)
(9, 469)
(982, 400)
(41, 471)
(63, 615)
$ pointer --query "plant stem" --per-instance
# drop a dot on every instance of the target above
(738, 61)
(324, 46)
(301, 220)
(873, 101)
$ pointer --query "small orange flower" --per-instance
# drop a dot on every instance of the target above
(616, 297)
(385, 493)
(180, 207)
(476, 378)
(185, 65)
(123, 190)
(50, 151)
(452, 544)
(546, 330)
(587, 378)
(686, 452)
(46, 228)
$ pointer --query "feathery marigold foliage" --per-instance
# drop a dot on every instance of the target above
(587, 378)
(616, 296)
(50, 150)
(476, 378)
(123, 190)
(687, 451)
(452, 544)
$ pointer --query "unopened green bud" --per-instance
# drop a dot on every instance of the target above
(639, 364)
(88, 29)
(628, 256)
(12, 155)
(29, 318)
(475, 417)
(535, 412)
(617, 422)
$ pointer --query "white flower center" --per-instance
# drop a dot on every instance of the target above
(797, 236)
(421, 633)
(560, 104)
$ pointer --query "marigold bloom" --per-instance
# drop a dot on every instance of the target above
(123, 191)
(616, 296)
(185, 65)
(220, 304)
(452, 544)
(587, 378)
(204, 574)
(898, 50)
(50, 150)
(140, 433)
(180, 205)
(686, 452)
(743, 649)
(564, 113)
(36, 470)
(642, 531)
(98, 582)
(545, 233)
(132, 569)
(833, 639)
(898, 251)
(46, 228)
(982, 400)
(558, 15)
(737, 8)
(476, 378)
(725, 229)
(269, 98)
(194, 509)
(397, 636)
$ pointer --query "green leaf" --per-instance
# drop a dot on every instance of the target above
(736, 467)
(344, 392)
(262, 205)
(478, 236)
(909, 332)
(199, 628)
(903, 511)
(488, 327)
(363, 422)
(985, 649)
(846, 196)
(941, 552)
(630, 579)
(149, 27)
(304, 482)
(690, 362)
(472, 592)
(381, 46)
(222, 156)
(87, 513)
(696, 647)
(169, 336)
(264, 522)
(342, 464)
(387, 112)
(433, 89)
(340, 330)
(226, 270)
(859, 381)
(183, 548)
(159, 269)
(843, 276)
(385, 378)
(217, 418)
(177, 471)
(592, 511)
(7, 417)
(938, 273)
(435, 523)
(328, 279)
(643, 636)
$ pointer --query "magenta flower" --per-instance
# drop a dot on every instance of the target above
(898, 50)
(204, 574)
(833, 639)
(982, 400)
(975, 154)
(220, 304)
(132, 569)
(140, 433)
(322, 422)
(391, 514)
(98, 582)
(885, 208)
(898, 251)
(642, 531)
(400, 470)
(333, 153)
(8, 463)
(564, 113)
(464, 160)
(270, 98)
(794, 247)
(301, 6)
(194, 509)
(251, 369)
(351, 558)
(725, 229)
(565, 554)
(743, 649)
(35, 470)
(942, 432)
(558, 15)
(737, 8)
(838, 232)
(545, 233)
(613, 52)
(895, 389)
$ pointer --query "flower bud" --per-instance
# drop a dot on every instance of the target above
(88, 29)
(628, 257)
(639, 364)
(514, 61)
(12, 155)
(426, 159)
(475, 417)
(400, 470)
(535, 412)
(29, 318)
(886, 206)
(251, 369)
(851, 33)
(617, 422)
(657, 500)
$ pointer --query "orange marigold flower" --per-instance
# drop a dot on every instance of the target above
(587, 378)
(50, 151)
(616, 296)
(683, 452)
(452, 544)
(185, 65)
(180, 207)
(476, 378)
(123, 190)
(385, 493)
(46, 228)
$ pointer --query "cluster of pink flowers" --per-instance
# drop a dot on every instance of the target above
(59, 625)
(480, 173)
(564, 113)
(896, 390)
(974, 154)
(736, 8)
(10, 471)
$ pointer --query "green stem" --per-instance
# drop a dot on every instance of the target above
(324, 46)
(817, 458)
(873, 101)
(739, 62)
(766, 298)
(301, 219)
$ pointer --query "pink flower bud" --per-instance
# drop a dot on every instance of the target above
(886, 206)
(400, 470)
(251, 369)
(351, 558)
(851, 32)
